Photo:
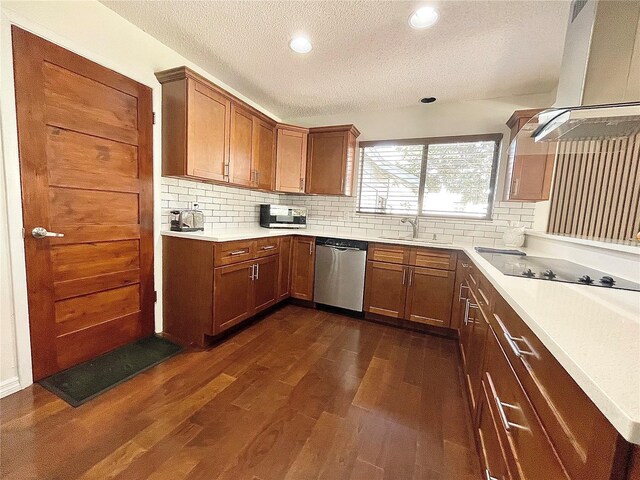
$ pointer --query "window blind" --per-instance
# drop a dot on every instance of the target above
(447, 176)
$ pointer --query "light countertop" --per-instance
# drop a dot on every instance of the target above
(594, 333)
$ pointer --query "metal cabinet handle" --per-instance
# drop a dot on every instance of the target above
(404, 275)
(411, 276)
(257, 271)
(41, 232)
(511, 340)
(460, 297)
(488, 476)
(465, 265)
(251, 270)
(516, 186)
(238, 252)
(268, 247)
(227, 169)
(469, 304)
(310, 248)
(503, 414)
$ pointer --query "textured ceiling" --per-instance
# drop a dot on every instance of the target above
(365, 56)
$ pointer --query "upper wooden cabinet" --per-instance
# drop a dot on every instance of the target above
(291, 158)
(264, 154)
(530, 164)
(241, 154)
(195, 128)
(210, 135)
(331, 160)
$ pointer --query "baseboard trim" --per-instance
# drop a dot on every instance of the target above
(9, 386)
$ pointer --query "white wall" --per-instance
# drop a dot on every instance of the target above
(97, 33)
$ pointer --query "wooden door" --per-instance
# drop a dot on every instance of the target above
(85, 135)
(264, 154)
(385, 289)
(266, 282)
(232, 294)
(291, 159)
(208, 124)
(492, 454)
(429, 296)
(284, 268)
(303, 267)
(327, 154)
(241, 147)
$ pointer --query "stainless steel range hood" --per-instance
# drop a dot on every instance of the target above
(599, 76)
(588, 123)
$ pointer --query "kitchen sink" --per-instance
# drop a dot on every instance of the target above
(411, 239)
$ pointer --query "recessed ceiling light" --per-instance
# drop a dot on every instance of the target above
(300, 45)
(428, 100)
(424, 17)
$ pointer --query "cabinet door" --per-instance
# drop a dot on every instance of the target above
(303, 268)
(291, 160)
(264, 154)
(232, 295)
(530, 453)
(265, 282)
(429, 296)
(241, 150)
(475, 352)
(466, 329)
(385, 289)
(208, 123)
(284, 270)
(459, 294)
(492, 453)
(327, 159)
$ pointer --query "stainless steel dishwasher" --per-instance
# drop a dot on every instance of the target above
(339, 277)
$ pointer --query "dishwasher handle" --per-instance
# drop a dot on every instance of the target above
(343, 249)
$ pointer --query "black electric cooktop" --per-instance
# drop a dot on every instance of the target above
(555, 270)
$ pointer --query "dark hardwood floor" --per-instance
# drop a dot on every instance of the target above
(302, 394)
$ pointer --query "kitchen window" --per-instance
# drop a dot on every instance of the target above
(443, 176)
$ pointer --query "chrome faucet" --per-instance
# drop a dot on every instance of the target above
(414, 223)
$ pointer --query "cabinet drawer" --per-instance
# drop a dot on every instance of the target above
(381, 252)
(530, 452)
(430, 258)
(227, 253)
(483, 291)
(267, 246)
(582, 436)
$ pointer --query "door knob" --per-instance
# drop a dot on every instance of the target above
(41, 232)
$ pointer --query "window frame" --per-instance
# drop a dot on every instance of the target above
(426, 141)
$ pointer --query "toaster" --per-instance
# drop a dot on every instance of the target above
(186, 220)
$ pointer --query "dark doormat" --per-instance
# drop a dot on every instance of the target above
(87, 380)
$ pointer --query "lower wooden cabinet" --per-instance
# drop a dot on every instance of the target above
(284, 268)
(233, 295)
(210, 287)
(265, 283)
(477, 328)
(529, 452)
(491, 450)
(303, 267)
(422, 295)
(385, 289)
(429, 296)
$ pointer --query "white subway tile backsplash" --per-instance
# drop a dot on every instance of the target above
(228, 208)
